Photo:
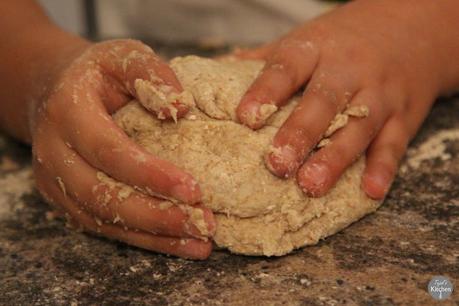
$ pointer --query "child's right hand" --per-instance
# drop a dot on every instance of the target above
(74, 139)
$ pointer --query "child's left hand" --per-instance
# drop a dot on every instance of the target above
(381, 54)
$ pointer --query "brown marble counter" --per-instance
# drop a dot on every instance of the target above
(386, 258)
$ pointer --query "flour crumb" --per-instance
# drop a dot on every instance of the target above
(196, 218)
(124, 191)
(264, 112)
(61, 184)
(165, 205)
(323, 143)
(359, 111)
(98, 221)
(337, 123)
(341, 120)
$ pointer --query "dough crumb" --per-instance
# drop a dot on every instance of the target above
(117, 219)
(98, 221)
(61, 184)
(341, 120)
(165, 205)
(196, 218)
(359, 111)
(157, 99)
(124, 191)
(323, 143)
(338, 122)
(264, 112)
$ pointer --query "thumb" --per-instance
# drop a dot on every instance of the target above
(145, 76)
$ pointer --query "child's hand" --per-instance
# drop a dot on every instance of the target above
(75, 141)
(388, 55)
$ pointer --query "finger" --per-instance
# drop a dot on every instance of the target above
(130, 62)
(383, 157)
(106, 147)
(113, 202)
(325, 96)
(258, 53)
(186, 248)
(287, 69)
(323, 169)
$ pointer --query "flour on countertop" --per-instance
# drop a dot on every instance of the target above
(13, 186)
(433, 147)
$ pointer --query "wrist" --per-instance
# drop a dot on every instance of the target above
(47, 65)
(423, 35)
(32, 60)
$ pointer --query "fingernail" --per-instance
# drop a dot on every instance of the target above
(256, 114)
(192, 249)
(250, 115)
(377, 186)
(314, 179)
(282, 161)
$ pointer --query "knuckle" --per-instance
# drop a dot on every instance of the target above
(377, 111)
(328, 92)
(335, 85)
(279, 63)
(104, 154)
(304, 140)
(293, 56)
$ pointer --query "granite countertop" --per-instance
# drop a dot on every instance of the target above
(386, 258)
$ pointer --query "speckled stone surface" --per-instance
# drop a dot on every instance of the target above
(386, 258)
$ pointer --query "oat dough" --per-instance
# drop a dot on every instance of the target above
(257, 213)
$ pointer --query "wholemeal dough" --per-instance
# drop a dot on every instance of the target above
(257, 213)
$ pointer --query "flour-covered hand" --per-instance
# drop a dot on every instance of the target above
(390, 57)
(81, 156)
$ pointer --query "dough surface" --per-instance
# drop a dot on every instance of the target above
(257, 213)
